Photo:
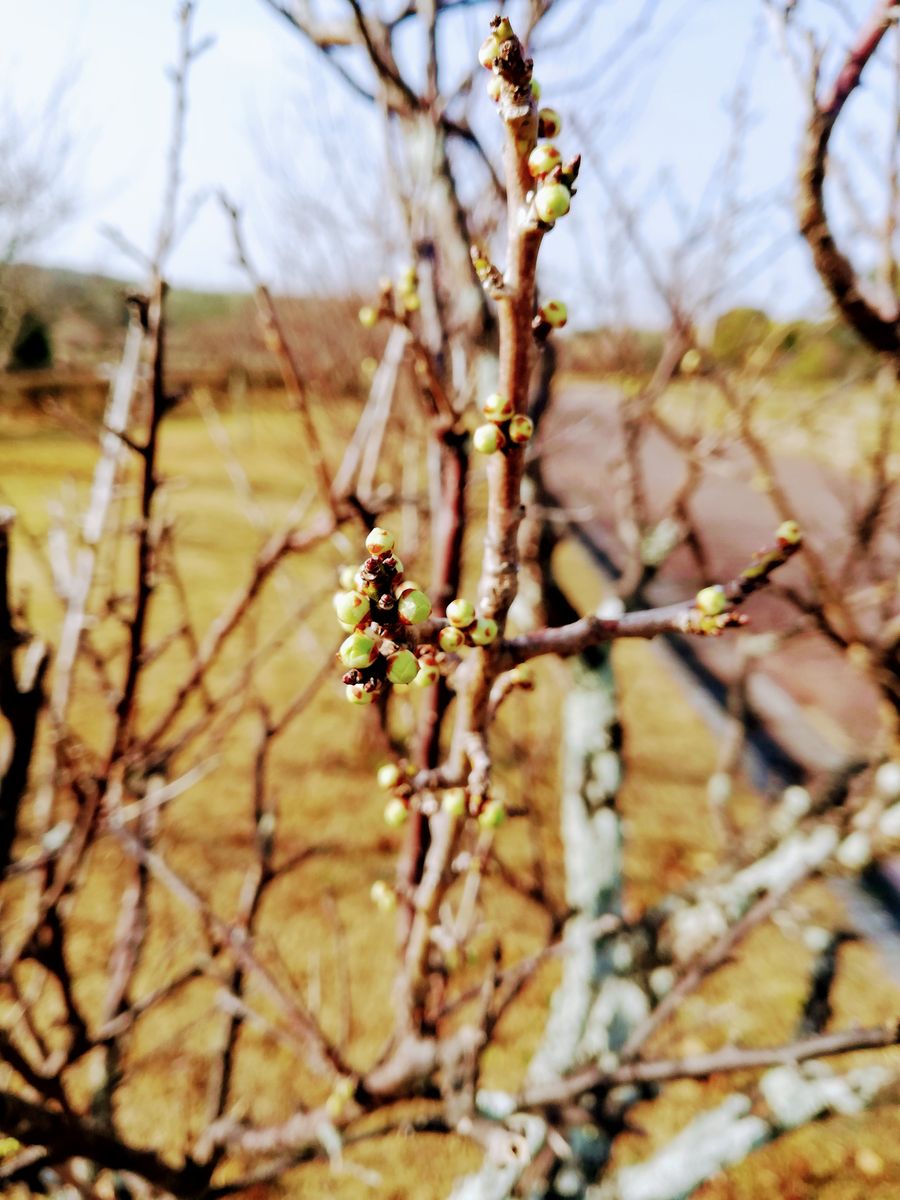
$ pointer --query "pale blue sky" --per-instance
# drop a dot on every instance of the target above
(659, 120)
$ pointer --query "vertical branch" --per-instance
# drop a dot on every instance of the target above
(257, 879)
(21, 700)
(276, 339)
(432, 845)
(148, 532)
(112, 447)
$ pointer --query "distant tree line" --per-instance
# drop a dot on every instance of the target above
(791, 352)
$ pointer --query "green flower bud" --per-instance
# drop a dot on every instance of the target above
(492, 815)
(357, 694)
(497, 408)
(450, 639)
(535, 89)
(346, 577)
(404, 586)
(552, 201)
(485, 631)
(549, 123)
(351, 607)
(521, 429)
(427, 676)
(454, 802)
(543, 159)
(383, 896)
(395, 813)
(488, 51)
(554, 312)
(691, 361)
(358, 650)
(461, 612)
(487, 439)
(495, 88)
(789, 532)
(711, 600)
(413, 608)
(379, 542)
(403, 666)
(389, 775)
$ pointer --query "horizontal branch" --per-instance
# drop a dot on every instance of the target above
(683, 617)
(701, 1066)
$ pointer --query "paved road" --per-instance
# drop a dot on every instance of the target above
(813, 702)
(811, 706)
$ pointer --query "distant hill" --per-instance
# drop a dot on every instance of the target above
(84, 317)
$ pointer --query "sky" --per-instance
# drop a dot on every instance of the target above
(274, 128)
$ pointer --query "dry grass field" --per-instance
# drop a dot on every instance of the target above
(319, 931)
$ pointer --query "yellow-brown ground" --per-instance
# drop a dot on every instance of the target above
(319, 932)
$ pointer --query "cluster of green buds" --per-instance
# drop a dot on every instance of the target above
(397, 778)
(501, 31)
(395, 300)
(465, 627)
(503, 426)
(712, 613)
(489, 813)
(394, 777)
(554, 180)
(376, 607)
